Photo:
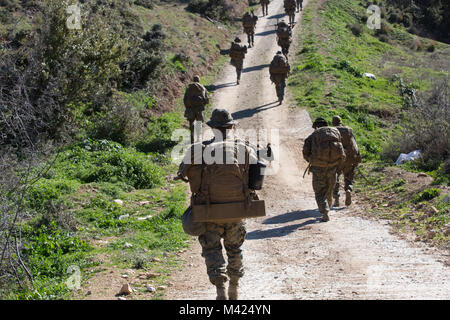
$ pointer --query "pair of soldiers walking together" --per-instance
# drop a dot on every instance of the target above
(331, 152)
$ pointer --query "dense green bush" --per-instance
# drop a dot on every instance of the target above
(214, 9)
(106, 161)
(427, 194)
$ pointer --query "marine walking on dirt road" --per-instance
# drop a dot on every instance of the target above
(195, 99)
(237, 54)
(324, 151)
(284, 36)
(279, 71)
(299, 5)
(289, 8)
(352, 159)
(265, 7)
(222, 195)
(249, 23)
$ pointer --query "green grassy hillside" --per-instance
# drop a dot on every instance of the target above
(337, 48)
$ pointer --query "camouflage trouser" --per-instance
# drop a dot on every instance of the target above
(324, 180)
(280, 86)
(265, 8)
(348, 172)
(299, 4)
(250, 37)
(233, 235)
(238, 65)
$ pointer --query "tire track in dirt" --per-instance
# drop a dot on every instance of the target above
(290, 254)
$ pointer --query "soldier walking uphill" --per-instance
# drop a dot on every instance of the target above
(279, 70)
(237, 54)
(215, 181)
(284, 36)
(324, 151)
(249, 24)
(299, 5)
(195, 99)
(289, 8)
(265, 6)
(352, 159)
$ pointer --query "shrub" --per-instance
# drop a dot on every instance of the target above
(426, 128)
(427, 194)
(346, 66)
(214, 9)
(106, 161)
(431, 47)
(145, 3)
(356, 29)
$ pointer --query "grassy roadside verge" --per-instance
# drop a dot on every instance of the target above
(336, 49)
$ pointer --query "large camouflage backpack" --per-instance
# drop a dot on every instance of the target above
(327, 149)
(195, 96)
(279, 65)
(284, 32)
(290, 5)
(248, 21)
(237, 52)
(350, 147)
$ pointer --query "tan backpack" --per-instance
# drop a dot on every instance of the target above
(237, 52)
(284, 32)
(327, 149)
(195, 96)
(279, 65)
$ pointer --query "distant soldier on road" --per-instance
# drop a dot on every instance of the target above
(219, 182)
(279, 70)
(237, 54)
(195, 99)
(265, 7)
(352, 159)
(324, 151)
(299, 5)
(289, 8)
(249, 23)
(284, 36)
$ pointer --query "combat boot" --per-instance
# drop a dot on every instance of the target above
(348, 198)
(221, 294)
(325, 217)
(336, 202)
(233, 290)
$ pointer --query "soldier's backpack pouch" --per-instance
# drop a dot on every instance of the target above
(256, 176)
(189, 226)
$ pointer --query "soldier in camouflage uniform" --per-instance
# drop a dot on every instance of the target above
(289, 8)
(195, 99)
(265, 7)
(234, 232)
(249, 23)
(237, 54)
(353, 158)
(299, 5)
(324, 176)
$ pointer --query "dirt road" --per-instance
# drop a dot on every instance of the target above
(290, 254)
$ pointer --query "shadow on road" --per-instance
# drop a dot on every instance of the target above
(265, 33)
(247, 113)
(278, 232)
(292, 216)
(284, 218)
(213, 87)
(277, 16)
(255, 68)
